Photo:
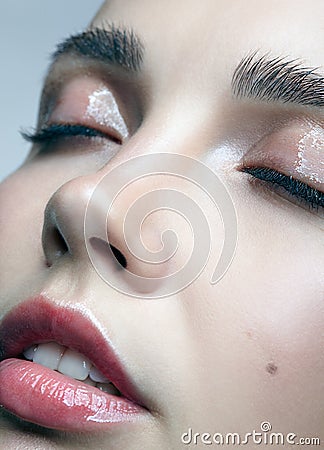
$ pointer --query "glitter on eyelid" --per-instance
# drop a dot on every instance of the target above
(310, 161)
(104, 110)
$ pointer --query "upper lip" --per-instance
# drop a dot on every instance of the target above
(40, 320)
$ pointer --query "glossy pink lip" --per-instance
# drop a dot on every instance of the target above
(48, 398)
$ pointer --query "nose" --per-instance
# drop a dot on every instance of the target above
(111, 219)
(87, 224)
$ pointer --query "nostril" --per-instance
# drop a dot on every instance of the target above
(119, 256)
(59, 242)
(57, 245)
(101, 249)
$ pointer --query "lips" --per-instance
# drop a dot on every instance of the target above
(48, 398)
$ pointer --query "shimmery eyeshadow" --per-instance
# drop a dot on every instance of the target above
(310, 161)
(104, 110)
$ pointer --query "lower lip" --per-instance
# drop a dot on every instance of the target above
(50, 399)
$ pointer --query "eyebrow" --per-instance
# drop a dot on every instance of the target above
(277, 79)
(114, 45)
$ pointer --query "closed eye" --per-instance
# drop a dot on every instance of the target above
(53, 133)
(297, 189)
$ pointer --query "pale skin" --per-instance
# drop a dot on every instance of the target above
(216, 358)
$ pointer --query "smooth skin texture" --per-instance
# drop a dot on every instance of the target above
(216, 358)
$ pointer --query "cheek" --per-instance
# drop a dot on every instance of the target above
(23, 199)
(22, 205)
(284, 311)
(281, 333)
(259, 330)
(281, 260)
(19, 201)
(272, 307)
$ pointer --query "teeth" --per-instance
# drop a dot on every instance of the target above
(70, 363)
(97, 376)
(74, 365)
(49, 355)
(30, 352)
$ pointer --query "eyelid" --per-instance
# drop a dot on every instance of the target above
(296, 150)
(89, 102)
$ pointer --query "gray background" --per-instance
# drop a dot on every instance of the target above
(29, 31)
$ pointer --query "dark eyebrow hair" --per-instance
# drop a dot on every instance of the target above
(112, 45)
(278, 79)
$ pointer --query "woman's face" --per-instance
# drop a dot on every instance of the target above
(216, 358)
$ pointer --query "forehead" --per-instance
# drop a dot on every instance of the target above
(211, 33)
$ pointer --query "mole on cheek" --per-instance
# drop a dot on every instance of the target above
(271, 368)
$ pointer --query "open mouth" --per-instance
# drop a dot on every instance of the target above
(70, 363)
(59, 370)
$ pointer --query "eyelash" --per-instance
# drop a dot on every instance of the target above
(53, 133)
(296, 188)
